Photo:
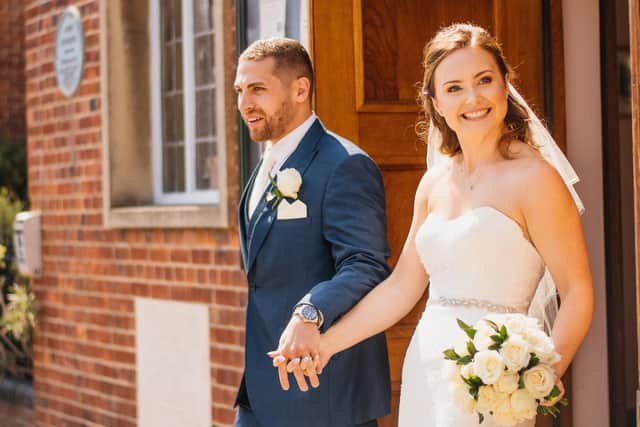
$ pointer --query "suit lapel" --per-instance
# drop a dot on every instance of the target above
(243, 216)
(265, 215)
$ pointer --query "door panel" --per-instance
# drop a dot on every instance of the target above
(367, 56)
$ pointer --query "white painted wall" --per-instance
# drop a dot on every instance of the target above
(173, 367)
(590, 397)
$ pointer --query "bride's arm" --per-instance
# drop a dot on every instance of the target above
(555, 228)
(392, 299)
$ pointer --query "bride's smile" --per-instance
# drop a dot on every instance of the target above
(471, 94)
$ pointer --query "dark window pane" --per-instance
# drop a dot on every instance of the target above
(178, 18)
(180, 178)
(203, 15)
(168, 69)
(168, 169)
(179, 122)
(168, 29)
(168, 119)
(203, 46)
(173, 169)
(205, 113)
(178, 66)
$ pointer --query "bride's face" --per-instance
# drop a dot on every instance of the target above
(471, 93)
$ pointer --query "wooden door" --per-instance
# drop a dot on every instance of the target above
(367, 55)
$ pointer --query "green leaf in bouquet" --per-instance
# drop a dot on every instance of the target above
(467, 329)
(549, 410)
(534, 361)
(497, 342)
(473, 381)
(503, 333)
(521, 379)
(465, 360)
(555, 392)
(474, 393)
(450, 354)
(471, 348)
(497, 339)
(476, 381)
(493, 324)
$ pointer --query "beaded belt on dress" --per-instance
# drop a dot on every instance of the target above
(478, 303)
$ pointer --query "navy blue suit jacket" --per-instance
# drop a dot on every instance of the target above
(332, 258)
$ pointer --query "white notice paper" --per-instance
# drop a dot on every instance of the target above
(273, 14)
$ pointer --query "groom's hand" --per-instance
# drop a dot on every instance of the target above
(299, 346)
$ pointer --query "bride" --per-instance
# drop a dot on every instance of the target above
(495, 219)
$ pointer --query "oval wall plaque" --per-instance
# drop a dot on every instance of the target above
(69, 51)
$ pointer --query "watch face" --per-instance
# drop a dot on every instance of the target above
(309, 312)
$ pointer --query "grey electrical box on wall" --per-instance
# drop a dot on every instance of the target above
(27, 242)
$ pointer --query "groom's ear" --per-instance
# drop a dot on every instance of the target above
(302, 86)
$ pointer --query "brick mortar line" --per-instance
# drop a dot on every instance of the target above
(90, 375)
(126, 315)
(116, 416)
(88, 310)
(113, 364)
(152, 281)
(38, 94)
(75, 99)
(87, 391)
(87, 359)
(146, 263)
(85, 341)
(85, 292)
(228, 368)
(131, 332)
(57, 321)
(141, 262)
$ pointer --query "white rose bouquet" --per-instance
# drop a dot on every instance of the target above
(504, 369)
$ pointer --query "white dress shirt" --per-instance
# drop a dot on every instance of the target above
(282, 150)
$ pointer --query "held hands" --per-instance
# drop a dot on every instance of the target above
(299, 352)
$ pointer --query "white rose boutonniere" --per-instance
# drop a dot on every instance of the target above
(286, 184)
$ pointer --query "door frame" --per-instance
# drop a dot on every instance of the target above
(634, 45)
(621, 326)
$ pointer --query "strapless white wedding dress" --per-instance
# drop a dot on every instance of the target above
(478, 262)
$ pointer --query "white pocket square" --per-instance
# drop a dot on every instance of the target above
(293, 210)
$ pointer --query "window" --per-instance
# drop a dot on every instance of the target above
(164, 118)
(187, 100)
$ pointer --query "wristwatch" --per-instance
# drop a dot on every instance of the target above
(309, 313)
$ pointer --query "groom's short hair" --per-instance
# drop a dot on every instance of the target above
(289, 56)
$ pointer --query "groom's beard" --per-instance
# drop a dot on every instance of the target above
(273, 127)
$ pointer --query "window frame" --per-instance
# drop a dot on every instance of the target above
(191, 195)
(125, 111)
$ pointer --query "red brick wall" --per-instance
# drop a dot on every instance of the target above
(15, 415)
(12, 123)
(85, 346)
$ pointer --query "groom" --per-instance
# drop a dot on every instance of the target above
(313, 240)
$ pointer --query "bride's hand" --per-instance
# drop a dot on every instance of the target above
(325, 354)
(556, 399)
(300, 367)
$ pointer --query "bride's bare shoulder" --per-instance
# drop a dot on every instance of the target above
(533, 173)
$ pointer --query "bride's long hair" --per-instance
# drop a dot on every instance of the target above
(443, 44)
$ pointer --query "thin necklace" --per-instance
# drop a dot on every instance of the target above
(467, 178)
